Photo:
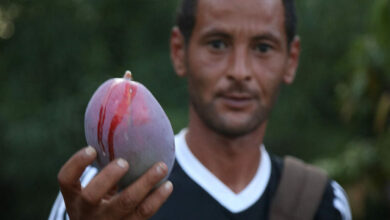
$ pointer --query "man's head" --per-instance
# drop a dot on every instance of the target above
(235, 58)
(186, 18)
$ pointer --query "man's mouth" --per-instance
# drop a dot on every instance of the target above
(236, 101)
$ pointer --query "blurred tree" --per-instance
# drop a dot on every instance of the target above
(305, 121)
(364, 107)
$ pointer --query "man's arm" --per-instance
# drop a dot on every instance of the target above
(95, 197)
(334, 204)
(340, 201)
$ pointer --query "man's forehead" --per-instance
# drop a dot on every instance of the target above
(241, 16)
(264, 7)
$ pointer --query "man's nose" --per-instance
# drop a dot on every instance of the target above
(239, 66)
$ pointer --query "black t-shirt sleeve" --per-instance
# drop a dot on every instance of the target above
(334, 204)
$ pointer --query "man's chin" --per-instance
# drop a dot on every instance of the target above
(233, 132)
(233, 128)
(229, 123)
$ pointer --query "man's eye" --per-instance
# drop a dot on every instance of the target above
(217, 44)
(263, 48)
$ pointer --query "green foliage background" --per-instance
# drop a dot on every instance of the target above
(54, 54)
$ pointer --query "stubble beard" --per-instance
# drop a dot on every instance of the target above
(207, 112)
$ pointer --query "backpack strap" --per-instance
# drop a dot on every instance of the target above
(299, 192)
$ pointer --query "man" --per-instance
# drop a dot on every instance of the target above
(235, 55)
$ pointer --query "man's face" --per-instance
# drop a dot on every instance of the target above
(236, 60)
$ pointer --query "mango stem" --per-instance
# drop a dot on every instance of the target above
(128, 75)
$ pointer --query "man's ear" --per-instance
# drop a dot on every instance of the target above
(178, 47)
(293, 60)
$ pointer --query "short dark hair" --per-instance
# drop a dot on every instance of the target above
(186, 17)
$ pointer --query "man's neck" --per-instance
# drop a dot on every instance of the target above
(232, 160)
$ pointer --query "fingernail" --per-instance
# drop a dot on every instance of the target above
(168, 186)
(160, 168)
(122, 163)
(90, 151)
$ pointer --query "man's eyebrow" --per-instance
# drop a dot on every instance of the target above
(215, 33)
(267, 36)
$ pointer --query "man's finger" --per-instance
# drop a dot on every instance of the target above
(105, 181)
(153, 202)
(133, 195)
(69, 175)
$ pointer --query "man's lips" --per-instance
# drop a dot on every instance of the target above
(237, 100)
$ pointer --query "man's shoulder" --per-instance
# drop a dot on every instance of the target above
(333, 203)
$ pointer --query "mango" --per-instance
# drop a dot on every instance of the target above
(124, 120)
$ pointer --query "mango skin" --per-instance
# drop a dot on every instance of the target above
(124, 120)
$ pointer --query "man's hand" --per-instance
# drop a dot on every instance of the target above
(99, 200)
